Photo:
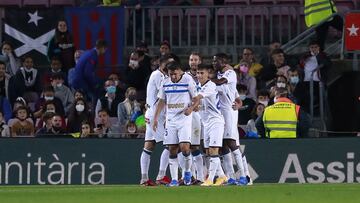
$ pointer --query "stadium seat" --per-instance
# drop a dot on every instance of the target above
(254, 22)
(346, 3)
(228, 24)
(282, 21)
(290, 2)
(170, 20)
(36, 3)
(237, 2)
(10, 3)
(196, 19)
(62, 3)
(262, 2)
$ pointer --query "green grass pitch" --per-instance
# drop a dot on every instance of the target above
(277, 193)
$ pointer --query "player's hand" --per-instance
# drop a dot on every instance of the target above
(236, 105)
(155, 125)
(197, 108)
(188, 111)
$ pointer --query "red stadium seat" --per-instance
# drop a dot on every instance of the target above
(10, 3)
(36, 3)
(283, 22)
(196, 19)
(262, 2)
(290, 2)
(62, 3)
(237, 2)
(254, 22)
(227, 23)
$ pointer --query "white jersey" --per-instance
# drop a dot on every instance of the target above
(227, 91)
(153, 87)
(209, 110)
(178, 96)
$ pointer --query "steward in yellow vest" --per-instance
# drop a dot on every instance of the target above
(283, 119)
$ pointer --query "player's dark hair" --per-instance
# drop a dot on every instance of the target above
(173, 65)
(100, 43)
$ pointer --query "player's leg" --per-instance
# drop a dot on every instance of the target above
(185, 140)
(198, 162)
(173, 164)
(238, 159)
(149, 146)
(228, 165)
(164, 158)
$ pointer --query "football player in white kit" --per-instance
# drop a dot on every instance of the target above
(176, 94)
(151, 137)
(226, 83)
(213, 125)
(194, 62)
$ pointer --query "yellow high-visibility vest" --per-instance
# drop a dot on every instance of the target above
(280, 120)
(317, 10)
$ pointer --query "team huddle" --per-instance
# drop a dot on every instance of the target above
(185, 108)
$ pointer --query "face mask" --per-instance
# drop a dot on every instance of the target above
(59, 85)
(48, 98)
(264, 102)
(132, 97)
(116, 82)
(280, 84)
(242, 97)
(313, 53)
(133, 63)
(131, 129)
(79, 107)
(50, 111)
(294, 79)
(244, 69)
(111, 89)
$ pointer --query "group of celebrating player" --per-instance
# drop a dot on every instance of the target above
(184, 108)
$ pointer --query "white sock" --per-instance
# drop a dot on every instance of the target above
(220, 171)
(187, 162)
(164, 162)
(181, 160)
(174, 167)
(239, 161)
(144, 164)
(228, 166)
(199, 163)
(214, 163)
(246, 166)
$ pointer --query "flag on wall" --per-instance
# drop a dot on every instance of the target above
(30, 29)
(89, 24)
(352, 31)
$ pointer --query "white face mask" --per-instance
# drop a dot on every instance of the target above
(131, 129)
(242, 97)
(133, 63)
(280, 84)
(59, 85)
(294, 79)
(48, 98)
(264, 102)
(50, 111)
(80, 107)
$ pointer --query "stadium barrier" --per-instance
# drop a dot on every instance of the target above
(116, 161)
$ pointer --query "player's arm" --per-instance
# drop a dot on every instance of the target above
(159, 108)
(219, 81)
(237, 103)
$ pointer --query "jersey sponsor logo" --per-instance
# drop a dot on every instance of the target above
(176, 106)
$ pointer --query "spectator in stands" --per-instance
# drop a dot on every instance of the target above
(78, 113)
(62, 46)
(244, 78)
(4, 80)
(128, 107)
(84, 76)
(47, 120)
(49, 107)
(315, 64)
(315, 13)
(105, 129)
(56, 130)
(86, 130)
(62, 91)
(284, 119)
(250, 129)
(26, 82)
(10, 59)
(142, 46)
(5, 108)
(109, 100)
(119, 84)
(4, 128)
(267, 59)
(165, 49)
(246, 108)
(248, 56)
(79, 94)
(296, 85)
(137, 72)
(48, 94)
(278, 67)
(55, 68)
(263, 97)
(155, 63)
(22, 127)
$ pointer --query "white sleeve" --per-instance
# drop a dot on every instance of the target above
(208, 90)
(161, 93)
(193, 89)
(230, 76)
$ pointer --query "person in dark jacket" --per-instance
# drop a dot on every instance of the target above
(62, 46)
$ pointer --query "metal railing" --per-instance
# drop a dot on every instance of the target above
(215, 27)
